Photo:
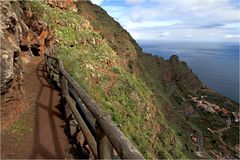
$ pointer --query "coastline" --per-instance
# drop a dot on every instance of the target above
(212, 63)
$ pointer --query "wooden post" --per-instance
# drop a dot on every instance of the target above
(58, 70)
(49, 67)
(65, 92)
(46, 64)
(105, 149)
(109, 131)
(86, 115)
(45, 59)
(89, 137)
(122, 145)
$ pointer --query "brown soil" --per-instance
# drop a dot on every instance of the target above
(150, 104)
(13, 103)
(45, 137)
(111, 83)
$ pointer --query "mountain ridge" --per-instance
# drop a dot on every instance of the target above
(147, 97)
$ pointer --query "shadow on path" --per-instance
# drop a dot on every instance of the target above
(48, 137)
(49, 140)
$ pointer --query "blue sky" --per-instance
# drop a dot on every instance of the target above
(177, 20)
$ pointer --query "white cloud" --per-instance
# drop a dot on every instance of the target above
(181, 34)
(196, 10)
(192, 19)
(115, 11)
(232, 25)
(98, 2)
(165, 35)
(189, 35)
(211, 34)
(149, 24)
(135, 1)
(231, 36)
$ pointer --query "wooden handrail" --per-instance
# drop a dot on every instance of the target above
(105, 129)
(91, 141)
(82, 108)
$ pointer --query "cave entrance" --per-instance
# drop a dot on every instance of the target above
(35, 50)
(24, 48)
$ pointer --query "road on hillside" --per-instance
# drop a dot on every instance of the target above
(201, 150)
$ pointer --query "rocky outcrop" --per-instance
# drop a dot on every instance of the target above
(37, 37)
(23, 35)
(11, 32)
(63, 4)
(174, 59)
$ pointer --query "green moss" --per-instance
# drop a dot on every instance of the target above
(20, 128)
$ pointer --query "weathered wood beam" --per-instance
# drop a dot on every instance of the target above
(88, 118)
(122, 145)
(89, 137)
(105, 148)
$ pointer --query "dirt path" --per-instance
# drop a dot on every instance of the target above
(201, 150)
(46, 138)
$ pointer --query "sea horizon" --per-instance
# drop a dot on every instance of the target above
(215, 63)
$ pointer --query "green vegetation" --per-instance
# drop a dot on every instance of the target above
(98, 69)
(231, 136)
(20, 128)
(22, 125)
(145, 95)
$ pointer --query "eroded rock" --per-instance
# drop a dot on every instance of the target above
(23, 35)
(63, 4)
(10, 33)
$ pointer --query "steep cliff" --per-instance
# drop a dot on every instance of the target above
(148, 97)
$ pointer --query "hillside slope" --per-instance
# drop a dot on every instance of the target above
(171, 83)
(160, 105)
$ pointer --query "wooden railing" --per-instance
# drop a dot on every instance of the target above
(100, 132)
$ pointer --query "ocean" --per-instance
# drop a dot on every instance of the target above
(215, 63)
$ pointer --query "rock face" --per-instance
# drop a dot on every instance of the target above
(23, 35)
(10, 34)
(174, 59)
(63, 4)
